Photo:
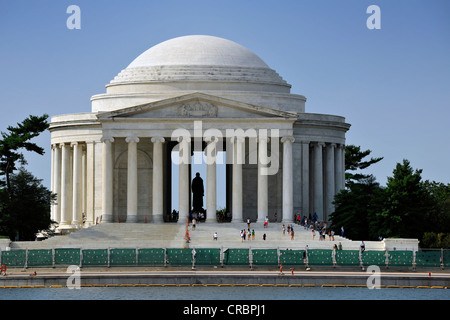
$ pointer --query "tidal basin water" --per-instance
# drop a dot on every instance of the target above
(223, 293)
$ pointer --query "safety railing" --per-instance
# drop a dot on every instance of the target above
(127, 257)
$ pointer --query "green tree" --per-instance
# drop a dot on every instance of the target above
(356, 208)
(24, 202)
(354, 161)
(17, 140)
(27, 210)
(408, 203)
(363, 197)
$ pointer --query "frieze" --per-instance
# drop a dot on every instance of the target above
(198, 109)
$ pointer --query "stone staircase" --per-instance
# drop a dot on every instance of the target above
(172, 235)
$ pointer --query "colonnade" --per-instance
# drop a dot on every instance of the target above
(73, 166)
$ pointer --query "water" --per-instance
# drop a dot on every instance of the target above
(223, 293)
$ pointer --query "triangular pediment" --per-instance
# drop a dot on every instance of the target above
(196, 105)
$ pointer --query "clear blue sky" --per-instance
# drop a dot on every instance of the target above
(392, 84)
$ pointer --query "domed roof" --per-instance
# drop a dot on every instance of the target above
(198, 50)
(198, 59)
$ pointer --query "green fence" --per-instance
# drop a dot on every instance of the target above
(428, 259)
(151, 257)
(207, 257)
(67, 257)
(179, 257)
(268, 257)
(216, 256)
(40, 258)
(347, 258)
(320, 257)
(15, 258)
(236, 257)
(95, 257)
(377, 258)
(400, 258)
(292, 257)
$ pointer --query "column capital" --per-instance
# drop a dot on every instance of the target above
(263, 139)
(107, 139)
(74, 143)
(290, 139)
(333, 145)
(132, 139)
(320, 144)
(158, 139)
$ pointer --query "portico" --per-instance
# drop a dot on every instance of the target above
(113, 164)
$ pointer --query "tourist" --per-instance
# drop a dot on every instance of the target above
(249, 234)
(283, 227)
(266, 222)
(331, 235)
(194, 221)
(363, 246)
(292, 233)
(253, 234)
(264, 236)
(215, 236)
(248, 223)
(340, 246)
(342, 231)
(313, 233)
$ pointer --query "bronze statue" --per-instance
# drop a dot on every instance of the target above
(197, 193)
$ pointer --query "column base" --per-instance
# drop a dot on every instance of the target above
(131, 219)
(107, 218)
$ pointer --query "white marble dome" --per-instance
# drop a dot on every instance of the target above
(198, 58)
(198, 63)
(198, 50)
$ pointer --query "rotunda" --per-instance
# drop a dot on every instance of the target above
(195, 93)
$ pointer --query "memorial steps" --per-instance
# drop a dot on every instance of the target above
(172, 235)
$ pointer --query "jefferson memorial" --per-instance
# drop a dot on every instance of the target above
(190, 94)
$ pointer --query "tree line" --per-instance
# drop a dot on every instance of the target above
(407, 207)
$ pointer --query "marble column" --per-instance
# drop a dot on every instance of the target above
(238, 159)
(158, 185)
(183, 176)
(263, 195)
(132, 180)
(340, 170)
(107, 180)
(56, 216)
(330, 181)
(211, 190)
(318, 180)
(77, 218)
(66, 211)
(305, 178)
(288, 183)
(90, 182)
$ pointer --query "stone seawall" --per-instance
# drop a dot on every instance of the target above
(226, 278)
